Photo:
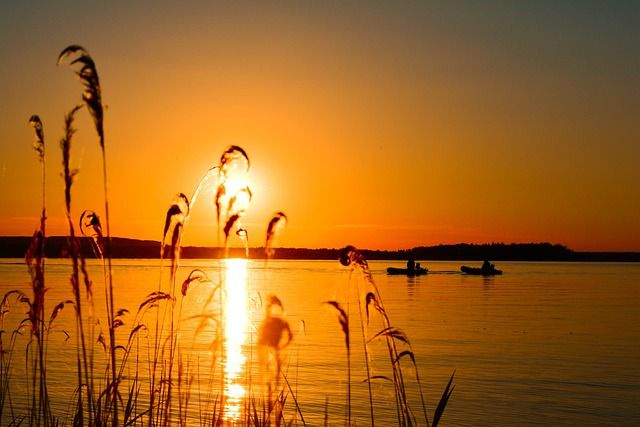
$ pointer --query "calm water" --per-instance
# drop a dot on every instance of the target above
(546, 343)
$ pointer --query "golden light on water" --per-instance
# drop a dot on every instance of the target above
(236, 317)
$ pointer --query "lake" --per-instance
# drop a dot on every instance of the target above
(545, 343)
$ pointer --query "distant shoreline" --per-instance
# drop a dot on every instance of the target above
(15, 247)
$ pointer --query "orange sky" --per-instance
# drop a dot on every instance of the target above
(383, 126)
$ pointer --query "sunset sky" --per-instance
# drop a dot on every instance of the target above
(379, 124)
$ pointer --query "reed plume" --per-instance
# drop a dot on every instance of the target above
(39, 146)
(87, 73)
(243, 235)
(196, 275)
(91, 227)
(232, 195)
(279, 218)
(274, 331)
(68, 176)
(343, 319)
(173, 223)
(274, 335)
(234, 156)
(36, 264)
(229, 224)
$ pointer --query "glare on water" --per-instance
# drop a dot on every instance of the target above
(235, 333)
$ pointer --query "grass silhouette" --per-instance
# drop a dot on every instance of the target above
(149, 377)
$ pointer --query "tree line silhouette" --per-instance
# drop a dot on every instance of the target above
(16, 247)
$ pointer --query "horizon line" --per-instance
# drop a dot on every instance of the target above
(359, 248)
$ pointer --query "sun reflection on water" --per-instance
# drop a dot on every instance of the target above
(235, 333)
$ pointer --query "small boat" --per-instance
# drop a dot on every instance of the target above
(480, 271)
(405, 271)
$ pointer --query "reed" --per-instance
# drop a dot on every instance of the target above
(74, 251)
(92, 97)
(162, 393)
(350, 256)
(35, 259)
(343, 319)
(279, 218)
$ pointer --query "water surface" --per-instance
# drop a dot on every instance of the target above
(546, 343)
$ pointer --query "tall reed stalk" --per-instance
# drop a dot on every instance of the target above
(343, 319)
(366, 359)
(92, 96)
(74, 250)
(35, 259)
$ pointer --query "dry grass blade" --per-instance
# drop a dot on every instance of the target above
(406, 353)
(446, 394)
(20, 297)
(370, 298)
(57, 309)
(153, 298)
(38, 145)
(88, 75)
(343, 318)
(392, 332)
(196, 275)
(135, 330)
(101, 340)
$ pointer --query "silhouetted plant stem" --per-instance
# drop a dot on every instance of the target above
(35, 259)
(92, 96)
(366, 359)
(110, 304)
(68, 175)
(343, 319)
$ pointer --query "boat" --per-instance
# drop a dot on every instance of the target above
(480, 271)
(405, 271)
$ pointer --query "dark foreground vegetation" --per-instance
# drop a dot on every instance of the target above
(16, 247)
(135, 369)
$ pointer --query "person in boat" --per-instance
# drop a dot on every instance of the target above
(411, 265)
(417, 266)
(487, 266)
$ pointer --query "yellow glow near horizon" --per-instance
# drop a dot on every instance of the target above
(377, 126)
(235, 333)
